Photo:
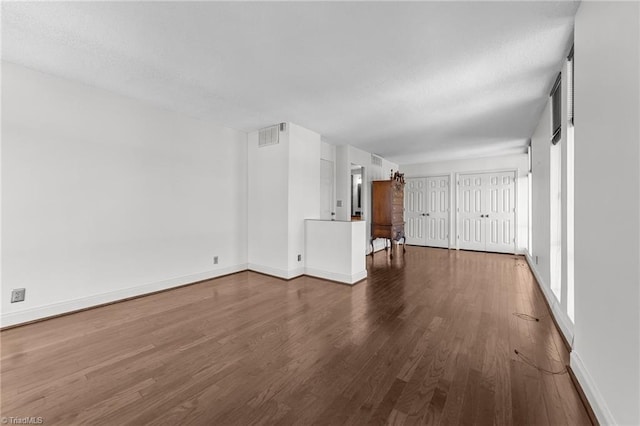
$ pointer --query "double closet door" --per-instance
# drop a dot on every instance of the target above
(427, 211)
(486, 212)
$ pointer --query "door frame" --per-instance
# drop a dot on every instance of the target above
(450, 210)
(332, 209)
(516, 172)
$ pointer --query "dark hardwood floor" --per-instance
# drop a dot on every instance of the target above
(428, 338)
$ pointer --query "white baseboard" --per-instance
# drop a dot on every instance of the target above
(276, 272)
(334, 276)
(596, 401)
(68, 306)
(563, 321)
(600, 408)
(59, 308)
(294, 273)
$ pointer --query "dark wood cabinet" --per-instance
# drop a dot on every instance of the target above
(387, 220)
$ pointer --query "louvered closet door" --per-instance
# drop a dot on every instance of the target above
(486, 216)
(415, 211)
(437, 211)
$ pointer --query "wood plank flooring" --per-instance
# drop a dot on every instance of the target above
(428, 338)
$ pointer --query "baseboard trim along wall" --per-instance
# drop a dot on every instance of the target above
(40, 313)
(276, 272)
(561, 319)
(598, 405)
(334, 276)
(70, 306)
(594, 398)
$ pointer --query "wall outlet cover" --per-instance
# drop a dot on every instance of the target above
(18, 295)
(215, 260)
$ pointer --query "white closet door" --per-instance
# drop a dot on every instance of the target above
(437, 214)
(486, 216)
(500, 212)
(471, 206)
(415, 211)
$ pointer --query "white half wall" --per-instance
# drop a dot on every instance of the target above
(518, 162)
(607, 208)
(336, 250)
(105, 197)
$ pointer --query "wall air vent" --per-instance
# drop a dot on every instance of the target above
(269, 136)
(376, 161)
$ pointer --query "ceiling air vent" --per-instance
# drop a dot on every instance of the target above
(269, 136)
(376, 161)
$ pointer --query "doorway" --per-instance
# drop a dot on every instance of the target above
(357, 204)
(327, 185)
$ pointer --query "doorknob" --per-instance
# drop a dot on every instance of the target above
(481, 215)
(486, 215)
(427, 214)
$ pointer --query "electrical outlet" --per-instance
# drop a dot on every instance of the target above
(299, 258)
(339, 203)
(536, 260)
(215, 260)
(17, 295)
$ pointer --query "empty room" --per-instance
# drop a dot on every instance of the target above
(328, 213)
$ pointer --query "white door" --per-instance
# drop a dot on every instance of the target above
(426, 211)
(415, 211)
(326, 190)
(486, 216)
(501, 212)
(437, 214)
(471, 231)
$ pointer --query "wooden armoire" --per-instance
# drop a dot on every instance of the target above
(387, 219)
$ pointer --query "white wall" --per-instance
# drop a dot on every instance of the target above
(548, 259)
(519, 162)
(347, 155)
(541, 211)
(268, 202)
(304, 190)
(336, 250)
(327, 151)
(104, 197)
(284, 190)
(606, 354)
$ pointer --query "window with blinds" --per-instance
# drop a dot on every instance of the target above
(570, 86)
(556, 110)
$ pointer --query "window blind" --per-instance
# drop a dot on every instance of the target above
(570, 87)
(556, 111)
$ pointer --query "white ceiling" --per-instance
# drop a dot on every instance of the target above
(412, 81)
